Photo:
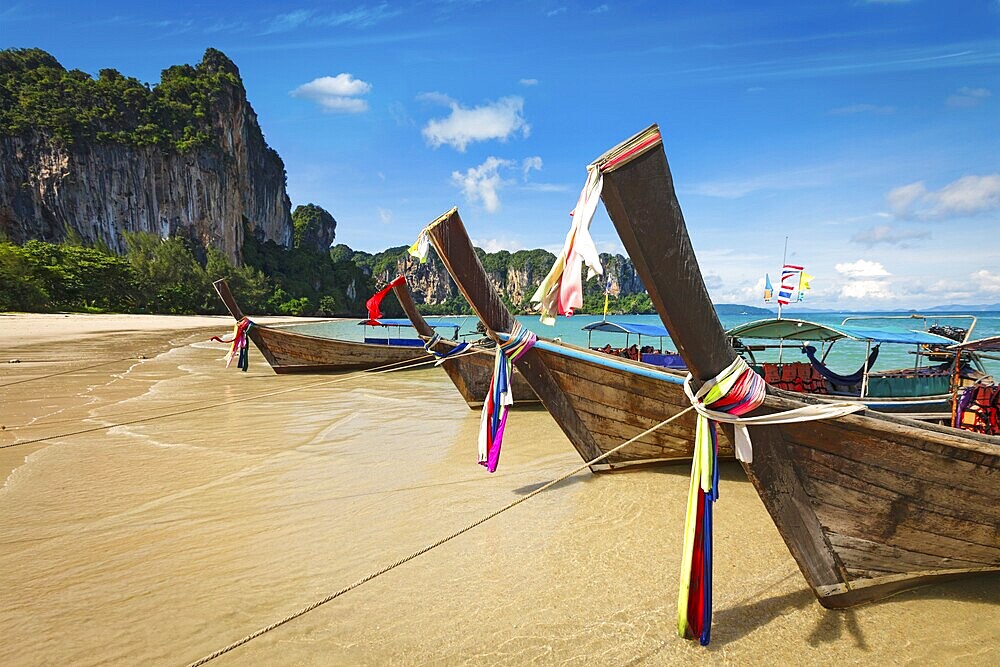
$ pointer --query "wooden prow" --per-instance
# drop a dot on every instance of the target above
(647, 215)
(640, 198)
(455, 250)
(222, 287)
(405, 298)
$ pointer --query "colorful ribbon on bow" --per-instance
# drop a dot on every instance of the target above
(735, 391)
(562, 289)
(374, 304)
(500, 396)
(239, 349)
(443, 356)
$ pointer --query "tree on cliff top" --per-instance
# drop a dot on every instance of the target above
(315, 228)
(38, 94)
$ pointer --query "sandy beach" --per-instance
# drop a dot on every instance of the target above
(163, 506)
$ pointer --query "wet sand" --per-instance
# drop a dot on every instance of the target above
(159, 542)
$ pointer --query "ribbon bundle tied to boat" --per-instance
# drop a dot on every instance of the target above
(500, 396)
(443, 356)
(561, 291)
(736, 391)
(239, 349)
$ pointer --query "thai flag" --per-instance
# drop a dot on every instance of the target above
(789, 273)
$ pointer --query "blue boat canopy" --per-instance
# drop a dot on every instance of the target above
(785, 329)
(627, 328)
(437, 324)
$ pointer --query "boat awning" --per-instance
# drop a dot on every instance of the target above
(437, 324)
(785, 329)
(627, 328)
(991, 344)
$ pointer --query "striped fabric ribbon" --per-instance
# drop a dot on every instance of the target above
(735, 391)
(725, 398)
(500, 396)
(239, 348)
(442, 356)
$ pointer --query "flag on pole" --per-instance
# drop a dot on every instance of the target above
(789, 283)
(768, 290)
(804, 279)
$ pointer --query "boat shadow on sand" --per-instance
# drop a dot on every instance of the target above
(748, 615)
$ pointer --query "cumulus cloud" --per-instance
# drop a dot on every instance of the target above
(862, 268)
(529, 163)
(495, 120)
(965, 97)
(969, 195)
(889, 235)
(497, 244)
(482, 184)
(339, 93)
(529, 82)
(866, 289)
(986, 281)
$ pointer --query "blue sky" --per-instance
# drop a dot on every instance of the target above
(868, 132)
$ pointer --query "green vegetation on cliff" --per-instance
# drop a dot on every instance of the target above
(39, 94)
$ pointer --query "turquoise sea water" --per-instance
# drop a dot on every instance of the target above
(845, 357)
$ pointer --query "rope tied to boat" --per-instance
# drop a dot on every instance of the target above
(734, 392)
(443, 356)
(500, 395)
(240, 344)
(419, 552)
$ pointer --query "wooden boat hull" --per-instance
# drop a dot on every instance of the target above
(598, 400)
(470, 373)
(290, 352)
(868, 504)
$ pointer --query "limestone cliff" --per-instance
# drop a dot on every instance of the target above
(98, 179)
(515, 276)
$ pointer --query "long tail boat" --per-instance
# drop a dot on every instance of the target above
(598, 400)
(869, 504)
(470, 372)
(290, 352)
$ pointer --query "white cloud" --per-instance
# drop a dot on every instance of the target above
(545, 187)
(600, 9)
(755, 89)
(965, 97)
(482, 184)
(495, 120)
(866, 289)
(384, 214)
(530, 163)
(497, 244)
(860, 285)
(336, 93)
(969, 195)
(986, 281)
(362, 16)
(529, 82)
(889, 235)
(556, 12)
(862, 268)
